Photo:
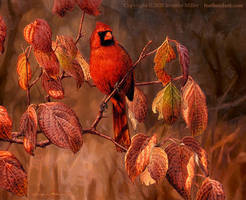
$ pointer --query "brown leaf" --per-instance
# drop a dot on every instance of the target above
(3, 32)
(60, 125)
(13, 176)
(164, 54)
(5, 124)
(22, 65)
(38, 34)
(211, 190)
(156, 168)
(138, 154)
(84, 65)
(139, 105)
(184, 60)
(52, 87)
(28, 127)
(60, 7)
(201, 153)
(194, 108)
(77, 73)
(181, 167)
(90, 6)
(48, 61)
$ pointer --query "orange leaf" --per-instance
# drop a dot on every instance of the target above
(90, 6)
(28, 127)
(38, 34)
(181, 166)
(164, 54)
(157, 167)
(139, 105)
(3, 32)
(48, 61)
(5, 124)
(211, 190)
(138, 154)
(52, 87)
(13, 176)
(194, 108)
(201, 153)
(60, 125)
(60, 7)
(22, 65)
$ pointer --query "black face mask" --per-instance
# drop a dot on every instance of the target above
(103, 41)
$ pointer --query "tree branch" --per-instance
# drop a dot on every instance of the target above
(80, 27)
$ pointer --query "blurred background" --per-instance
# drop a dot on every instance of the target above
(216, 40)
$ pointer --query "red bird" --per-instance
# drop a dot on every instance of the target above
(109, 62)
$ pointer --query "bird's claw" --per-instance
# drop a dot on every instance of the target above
(116, 86)
(103, 107)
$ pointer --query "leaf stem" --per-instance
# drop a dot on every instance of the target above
(80, 27)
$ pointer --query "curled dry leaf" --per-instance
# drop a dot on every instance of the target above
(60, 125)
(194, 107)
(5, 124)
(13, 176)
(138, 154)
(184, 60)
(60, 7)
(157, 167)
(38, 34)
(167, 103)
(181, 166)
(90, 6)
(52, 86)
(28, 128)
(201, 153)
(164, 54)
(66, 50)
(138, 107)
(211, 190)
(22, 67)
(48, 61)
(84, 65)
(3, 32)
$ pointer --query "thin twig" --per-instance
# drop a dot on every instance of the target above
(80, 27)
(95, 132)
(36, 80)
(27, 54)
(41, 144)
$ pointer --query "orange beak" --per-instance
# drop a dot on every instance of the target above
(108, 36)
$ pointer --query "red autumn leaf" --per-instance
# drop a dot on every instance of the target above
(3, 32)
(157, 167)
(90, 6)
(138, 107)
(5, 124)
(48, 61)
(181, 166)
(77, 73)
(28, 127)
(184, 60)
(164, 54)
(60, 125)
(52, 86)
(13, 176)
(201, 153)
(211, 190)
(38, 34)
(194, 107)
(22, 67)
(60, 7)
(138, 154)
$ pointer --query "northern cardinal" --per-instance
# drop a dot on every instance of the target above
(109, 62)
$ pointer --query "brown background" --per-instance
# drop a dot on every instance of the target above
(216, 40)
